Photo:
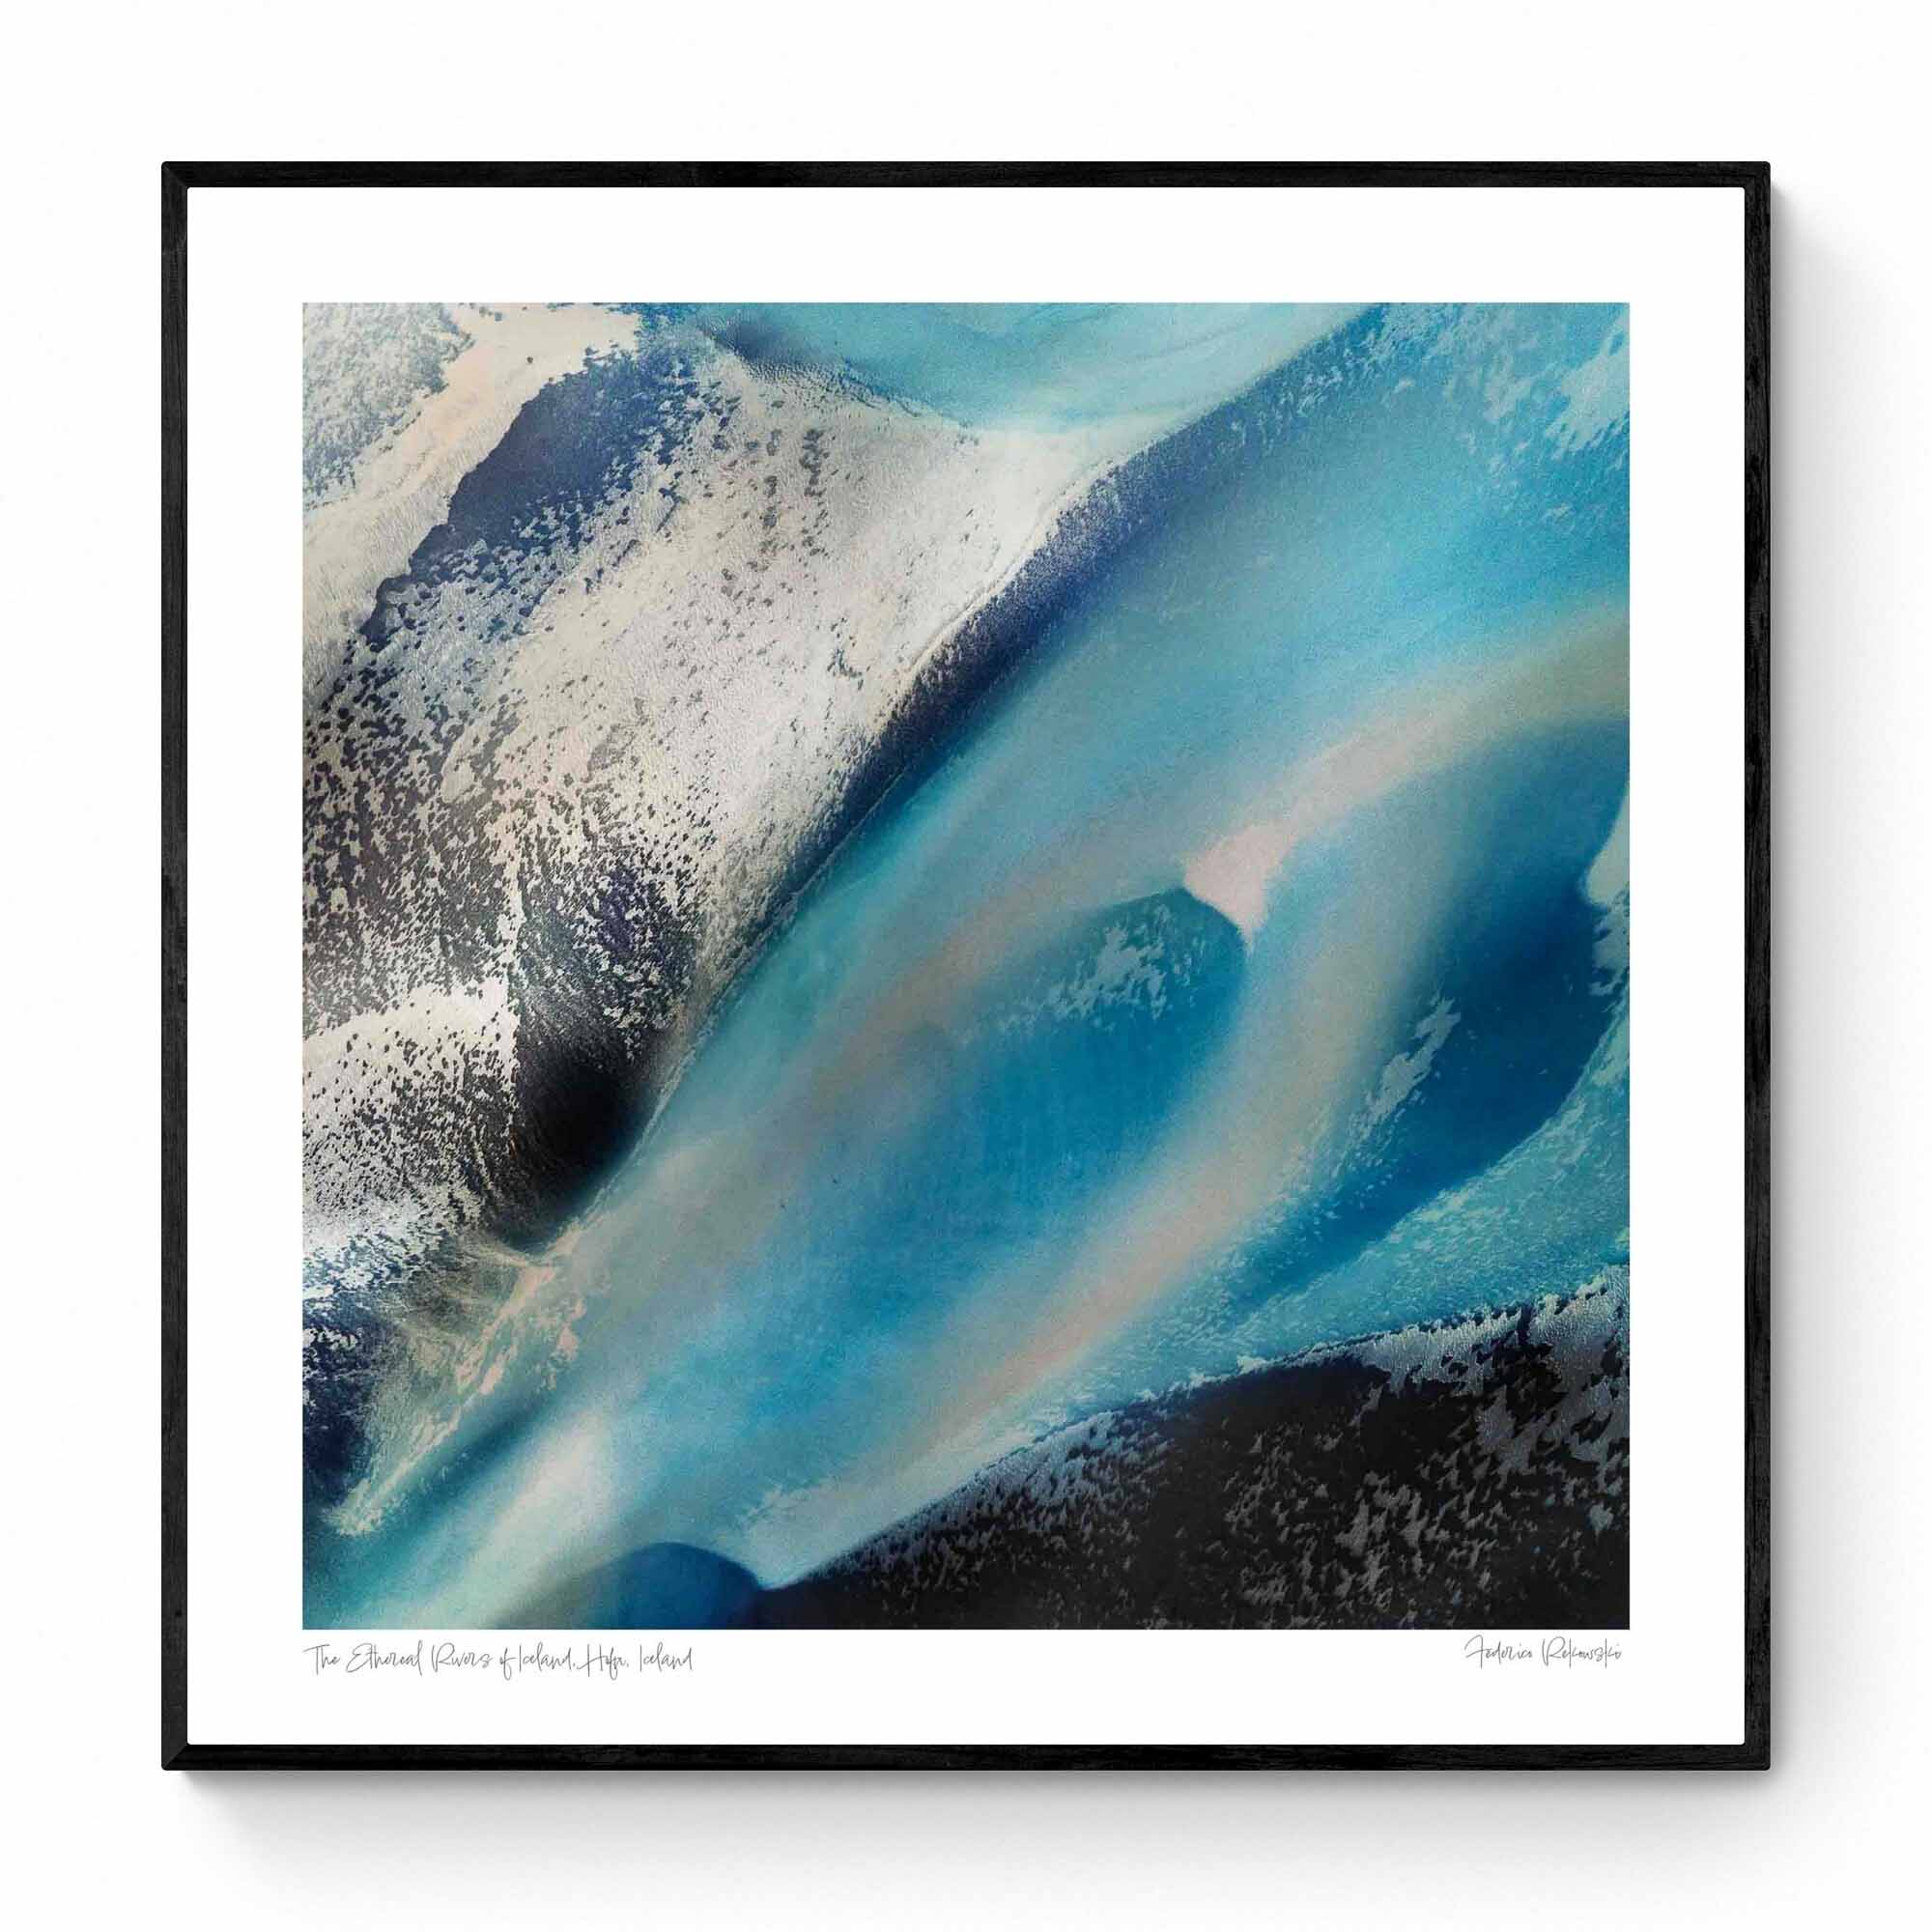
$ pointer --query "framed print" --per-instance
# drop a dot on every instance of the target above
(1032, 1027)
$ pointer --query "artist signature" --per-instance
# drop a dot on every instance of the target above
(1550, 1652)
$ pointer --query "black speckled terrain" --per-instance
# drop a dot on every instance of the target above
(1438, 1477)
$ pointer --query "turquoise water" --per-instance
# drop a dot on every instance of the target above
(1244, 973)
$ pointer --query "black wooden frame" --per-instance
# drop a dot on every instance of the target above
(177, 179)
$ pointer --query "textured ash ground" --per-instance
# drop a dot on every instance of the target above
(1474, 1471)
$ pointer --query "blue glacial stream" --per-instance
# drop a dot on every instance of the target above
(1244, 971)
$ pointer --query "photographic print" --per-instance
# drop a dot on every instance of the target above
(965, 966)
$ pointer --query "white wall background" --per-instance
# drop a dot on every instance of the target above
(98, 98)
